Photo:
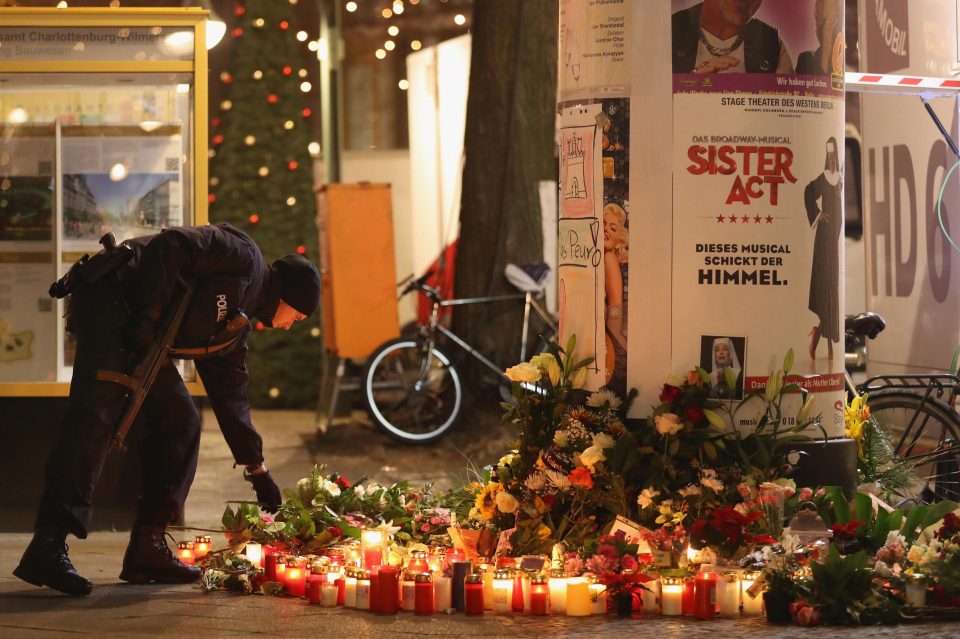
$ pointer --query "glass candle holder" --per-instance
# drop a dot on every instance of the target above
(671, 596)
(185, 553)
(503, 592)
(598, 596)
(728, 594)
(418, 562)
(363, 590)
(650, 598)
(705, 595)
(280, 569)
(460, 571)
(442, 592)
(350, 588)
(423, 598)
(557, 585)
(752, 594)
(916, 590)
(202, 545)
(487, 572)
(408, 592)
(689, 595)
(389, 590)
(295, 578)
(328, 595)
(254, 553)
(473, 594)
(373, 543)
(539, 595)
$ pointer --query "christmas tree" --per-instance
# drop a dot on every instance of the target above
(261, 182)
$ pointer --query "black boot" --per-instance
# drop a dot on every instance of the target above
(148, 558)
(45, 563)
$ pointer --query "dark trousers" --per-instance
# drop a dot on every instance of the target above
(168, 452)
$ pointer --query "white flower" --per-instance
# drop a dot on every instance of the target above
(331, 488)
(535, 481)
(561, 438)
(645, 498)
(303, 484)
(893, 538)
(360, 491)
(558, 479)
(915, 554)
(668, 424)
(603, 440)
(373, 487)
(602, 398)
(507, 503)
(690, 491)
(591, 457)
(712, 483)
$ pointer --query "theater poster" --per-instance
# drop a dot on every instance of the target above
(757, 146)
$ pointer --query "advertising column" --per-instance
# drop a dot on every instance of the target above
(758, 122)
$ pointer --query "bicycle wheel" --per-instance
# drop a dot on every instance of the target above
(415, 396)
(926, 433)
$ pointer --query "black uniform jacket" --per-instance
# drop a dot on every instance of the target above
(229, 275)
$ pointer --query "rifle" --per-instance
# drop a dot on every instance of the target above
(144, 374)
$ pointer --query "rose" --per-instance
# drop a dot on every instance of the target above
(602, 441)
(343, 482)
(547, 363)
(694, 414)
(581, 478)
(591, 457)
(668, 424)
(523, 372)
(335, 531)
(628, 562)
(806, 494)
(507, 503)
(669, 394)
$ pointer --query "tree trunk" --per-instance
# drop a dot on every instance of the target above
(509, 147)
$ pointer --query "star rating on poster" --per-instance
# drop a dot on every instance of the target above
(743, 219)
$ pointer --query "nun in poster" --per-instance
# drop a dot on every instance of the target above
(824, 204)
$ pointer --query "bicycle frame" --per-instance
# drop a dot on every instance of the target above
(530, 301)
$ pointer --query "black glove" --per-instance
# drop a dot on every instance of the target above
(267, 492)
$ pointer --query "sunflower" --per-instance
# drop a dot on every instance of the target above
(486, 503)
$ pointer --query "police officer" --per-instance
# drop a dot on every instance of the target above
(115, 319)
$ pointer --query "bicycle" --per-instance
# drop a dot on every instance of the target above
(919, 409)
(412, 387)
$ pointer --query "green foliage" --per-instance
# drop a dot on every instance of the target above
(289, 361)
(845, 591)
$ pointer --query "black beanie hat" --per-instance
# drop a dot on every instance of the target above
(299, 283)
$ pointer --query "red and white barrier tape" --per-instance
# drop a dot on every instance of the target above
(908, 84)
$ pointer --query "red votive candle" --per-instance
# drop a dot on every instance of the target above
(375, 590)
(315, 590)
(424, 594)
(517, 603)
(689, 602)
(452, 555)
(389, 590)
(295, 579)
(341, 584)
(270, 566)
(418, 562)
(185, 552)
(539, 596)
(705, 597)
(473, 594)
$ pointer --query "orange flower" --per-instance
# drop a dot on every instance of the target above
(581, 477)
(693, 378)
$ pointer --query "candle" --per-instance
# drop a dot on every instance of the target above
(598, 597)
(558, 592)
(336, 556)
(270, 566)
(578, 597)
(460, 571)
(752, 595)
(418, 562)
(436, 560)
(487, 573)
(442, 593)
(185, 552)
(280, 569)
(728, 594)
(328, 595)
(315, 590)
(917, 590)
(671, 596)
(363, 590)
(372, 543)
(350, 588)
(705, 595)
(473, 594)
(650, 597)
(407, 593)
(254, 552)
(374, 590)
(389, 590)
(202, 545)
(689, 596)
(539, 596)
(424, 594)
(521, 592)
(341, 585)
(454, 554)
(502, 592)
(295, 579)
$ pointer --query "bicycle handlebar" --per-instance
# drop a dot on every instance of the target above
(420, 284)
